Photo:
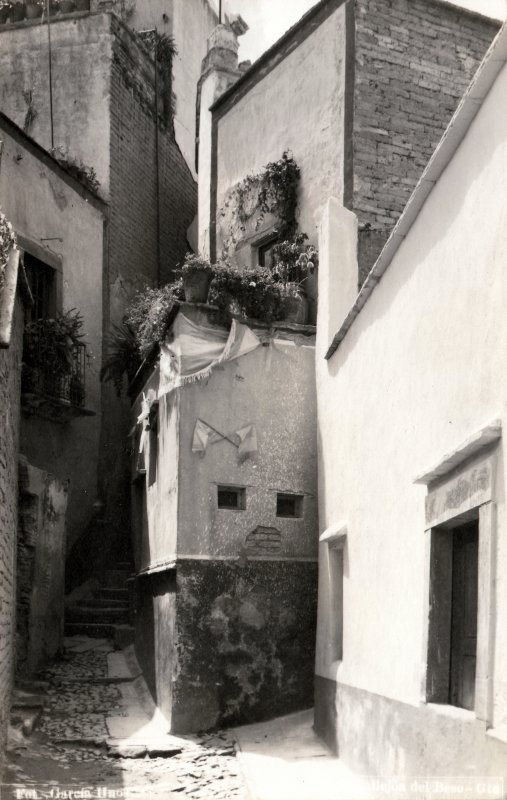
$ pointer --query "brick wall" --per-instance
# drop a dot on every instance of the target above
(414, 60)
(132, 244)
(10, 371)
(133, 170)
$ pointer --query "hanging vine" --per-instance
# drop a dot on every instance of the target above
(164, 50)
(274, 191)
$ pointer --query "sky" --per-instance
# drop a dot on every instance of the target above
(269, 19)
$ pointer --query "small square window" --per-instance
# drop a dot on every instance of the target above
(289, 505)
(231, 497)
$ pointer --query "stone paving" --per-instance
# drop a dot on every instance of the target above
(71, 749)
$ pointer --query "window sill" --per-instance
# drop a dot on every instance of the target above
(454, 712)
(500, 733)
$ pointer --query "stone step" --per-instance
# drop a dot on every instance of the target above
(113, 594)
(100, 614)
(116, 578)
(94, 630)
(104, 602)
(121, 635)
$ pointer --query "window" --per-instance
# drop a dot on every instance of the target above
(42, 281)
(331, 599)
(265, 254)
(232, 498)
(336, 602)
(289, 505)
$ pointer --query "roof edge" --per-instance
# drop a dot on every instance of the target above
(468, 108)
(274, 49)
(305, 20)
(37, 150)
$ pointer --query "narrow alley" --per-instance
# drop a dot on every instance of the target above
(92, 728)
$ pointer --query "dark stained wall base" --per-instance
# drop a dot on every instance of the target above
(325, 722)
(245, 642)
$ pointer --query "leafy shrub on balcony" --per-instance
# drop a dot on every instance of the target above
(54, 357)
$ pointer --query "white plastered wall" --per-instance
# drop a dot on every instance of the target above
(422, 368)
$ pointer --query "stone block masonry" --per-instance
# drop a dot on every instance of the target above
(413, 62)
(10, 375)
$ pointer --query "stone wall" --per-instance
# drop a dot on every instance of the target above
(40, 568)
(252, 629)
(10, 375)
(414, 60)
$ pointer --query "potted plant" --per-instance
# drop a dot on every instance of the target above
(295, 303)
(295, 261)
(34, 9)
(5, 11)
(197, 274)
(17, 12)
(249, 293)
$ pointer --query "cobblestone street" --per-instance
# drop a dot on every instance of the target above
(83, 739)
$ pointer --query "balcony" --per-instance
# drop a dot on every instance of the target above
(54, 373)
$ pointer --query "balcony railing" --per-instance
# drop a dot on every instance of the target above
(54, 378)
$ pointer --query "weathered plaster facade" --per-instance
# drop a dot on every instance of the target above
(271, 118)
(427, 343)
(61, 224)
(189, 22)
(104, 114)
(360, 93)
(227, 597)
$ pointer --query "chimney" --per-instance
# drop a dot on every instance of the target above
(219, 71)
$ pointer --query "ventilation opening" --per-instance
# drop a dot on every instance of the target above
(231, 497)
(289, 505)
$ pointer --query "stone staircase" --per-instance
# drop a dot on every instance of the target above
(105, 612)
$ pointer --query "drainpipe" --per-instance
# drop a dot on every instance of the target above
(153, 32)
(50, 78)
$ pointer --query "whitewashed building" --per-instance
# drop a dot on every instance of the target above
(412, 400)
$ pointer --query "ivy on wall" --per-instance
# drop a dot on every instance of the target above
(272, 191)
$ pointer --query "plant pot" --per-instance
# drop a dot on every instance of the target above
(196, 285)
(296, 308)
(82, 5)
(67, 6)
(33, 11)
(17, 12)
